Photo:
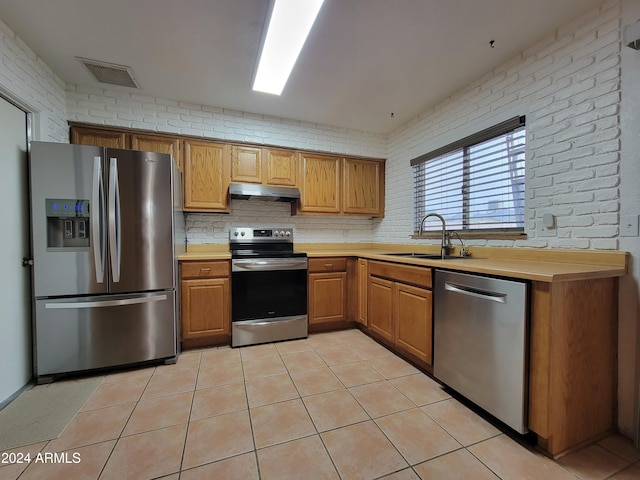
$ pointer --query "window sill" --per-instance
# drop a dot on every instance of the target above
(474, 235)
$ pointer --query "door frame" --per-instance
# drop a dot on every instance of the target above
(29, 123)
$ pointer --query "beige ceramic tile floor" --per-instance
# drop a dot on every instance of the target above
(336, 405)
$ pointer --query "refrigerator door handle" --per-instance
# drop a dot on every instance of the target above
(105, 303)
(114, 220)
(97, 219)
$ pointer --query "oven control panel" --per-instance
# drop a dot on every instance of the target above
(248, 234)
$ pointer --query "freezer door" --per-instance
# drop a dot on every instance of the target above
(140, 221)
(67, 219)
(75, 334)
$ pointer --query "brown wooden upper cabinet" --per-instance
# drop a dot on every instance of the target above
(104, 137)
(266, 166)
(333, 185)
(207, 172)
(363, 187)
(246, 164)
(281, 167)
(320, 184)
(98, 137)
(329, 184)
(159, 144)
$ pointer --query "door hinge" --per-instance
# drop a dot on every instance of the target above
(27, 262)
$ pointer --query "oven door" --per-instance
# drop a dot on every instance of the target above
(268, 288)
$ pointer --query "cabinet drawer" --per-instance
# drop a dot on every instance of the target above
(410, 274)
(329, 264)
(205, 269)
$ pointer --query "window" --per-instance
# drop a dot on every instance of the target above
(476, 184)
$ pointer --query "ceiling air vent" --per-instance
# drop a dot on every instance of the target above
(110, 73)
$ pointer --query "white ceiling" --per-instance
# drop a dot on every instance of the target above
(364, 59)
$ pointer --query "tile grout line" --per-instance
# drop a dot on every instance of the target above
(117, 440)
(186, 433)
(253, 437)
(200, 367)
(311, 418)
(371, 419)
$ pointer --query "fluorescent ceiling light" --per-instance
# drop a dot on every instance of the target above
(291, 22)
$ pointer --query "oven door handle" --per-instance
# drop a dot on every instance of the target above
(266, 265)
(242, 324)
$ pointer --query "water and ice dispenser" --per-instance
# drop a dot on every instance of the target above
(67, 223)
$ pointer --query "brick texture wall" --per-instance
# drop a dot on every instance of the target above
(106, 107)
(568, 86)
(29, 82)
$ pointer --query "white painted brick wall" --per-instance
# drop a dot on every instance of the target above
(26, 80)
(107, 107)
(568, 86)
(214, 228)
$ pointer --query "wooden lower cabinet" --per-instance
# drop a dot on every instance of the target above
(573, 334)
(327, 297)
(572, 375)
(327, 291)
(414, 327)
(362, 279)
(205, 294)
(400, 307)
(381, 307)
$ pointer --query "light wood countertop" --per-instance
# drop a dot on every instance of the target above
(207, 251)
(544, 265)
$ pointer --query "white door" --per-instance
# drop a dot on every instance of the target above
(15, 280)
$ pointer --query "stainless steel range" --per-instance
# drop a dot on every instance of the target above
(268, 286)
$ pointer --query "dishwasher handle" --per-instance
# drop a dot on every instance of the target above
(476, 292)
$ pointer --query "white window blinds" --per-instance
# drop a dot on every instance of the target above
(476, 184)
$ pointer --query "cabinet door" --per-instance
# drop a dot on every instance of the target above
(246, 164)
(380, 310)
(206, 177)
(158, 144)
(362, 273)
(320, 184)
(280, 167)
(327, 297)
(98, 137)
(363, 187)
(205, 307)
(413, 320)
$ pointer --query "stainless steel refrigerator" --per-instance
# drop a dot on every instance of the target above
(107, 226)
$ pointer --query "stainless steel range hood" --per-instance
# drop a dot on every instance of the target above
(248, 190)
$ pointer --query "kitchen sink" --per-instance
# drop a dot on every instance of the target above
(427, 256)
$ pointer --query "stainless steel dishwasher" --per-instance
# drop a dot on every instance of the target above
(481, 342)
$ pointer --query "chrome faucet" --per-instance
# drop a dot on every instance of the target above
(444, 247)
(464, 251)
